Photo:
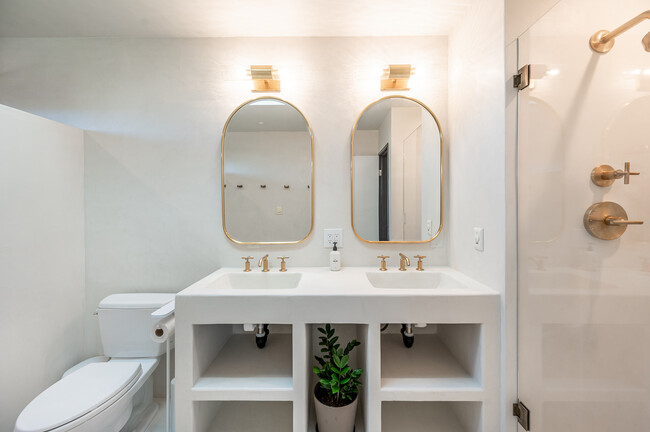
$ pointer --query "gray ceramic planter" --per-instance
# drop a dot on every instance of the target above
(335, 419)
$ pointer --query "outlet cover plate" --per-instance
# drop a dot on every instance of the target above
(331, 235)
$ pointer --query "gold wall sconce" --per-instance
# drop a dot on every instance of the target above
(396, 77)
(265, 78)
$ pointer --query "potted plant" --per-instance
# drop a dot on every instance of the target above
(335, 394)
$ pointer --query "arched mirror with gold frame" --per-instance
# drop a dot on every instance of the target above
(267, 173)
(396, 172)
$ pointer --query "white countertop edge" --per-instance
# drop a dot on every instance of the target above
(349, 281)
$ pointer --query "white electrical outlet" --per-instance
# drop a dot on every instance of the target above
(478, 239)
(333, 235)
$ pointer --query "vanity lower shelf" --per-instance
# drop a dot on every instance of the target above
(431, 417)
(242, 371)
(442, 364)
(245, 416)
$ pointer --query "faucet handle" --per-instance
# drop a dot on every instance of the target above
(383, 262)
(420, 258)
(247, 266)
(283, 265)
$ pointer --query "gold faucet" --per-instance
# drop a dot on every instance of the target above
(247, 266)
(403, 259)
(420, 258)
(383, 262)
(283, 265)
(264, 260)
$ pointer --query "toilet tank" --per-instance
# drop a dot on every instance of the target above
(126, 324)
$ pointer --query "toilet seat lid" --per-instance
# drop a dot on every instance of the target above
(77, 394)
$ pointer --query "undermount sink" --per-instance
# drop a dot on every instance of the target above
(412, 280)
(264, 281)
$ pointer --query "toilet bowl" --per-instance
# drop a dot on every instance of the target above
(102, 394)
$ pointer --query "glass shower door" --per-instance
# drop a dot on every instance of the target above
(584, 303)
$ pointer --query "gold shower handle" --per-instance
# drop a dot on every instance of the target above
(618, 221)
(602, 41)
(605, 175)
(607, 220)
(627, 173)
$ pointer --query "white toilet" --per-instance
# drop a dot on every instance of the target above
(106, 394)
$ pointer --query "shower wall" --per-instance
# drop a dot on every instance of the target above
(584, 326)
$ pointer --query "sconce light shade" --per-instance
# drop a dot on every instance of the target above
(396, 77)
(265, 78)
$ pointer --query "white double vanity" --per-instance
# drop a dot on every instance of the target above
(446, 382)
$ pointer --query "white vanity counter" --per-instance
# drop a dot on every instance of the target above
(451, 372)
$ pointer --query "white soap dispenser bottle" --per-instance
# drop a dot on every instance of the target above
(335, 259)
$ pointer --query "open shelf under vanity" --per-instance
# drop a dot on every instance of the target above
(443, 363)
(234, 368)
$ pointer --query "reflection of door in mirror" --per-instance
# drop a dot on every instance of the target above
(412, 148)
(267, 173)
(383, 194)
(398, 140)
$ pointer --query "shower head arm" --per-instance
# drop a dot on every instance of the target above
(603, 40)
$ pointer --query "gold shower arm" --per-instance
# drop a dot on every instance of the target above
(602, 41)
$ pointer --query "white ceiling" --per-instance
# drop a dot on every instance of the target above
(234, 18)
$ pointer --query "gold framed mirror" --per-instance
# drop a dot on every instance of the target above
(267, 173)
(396, 172)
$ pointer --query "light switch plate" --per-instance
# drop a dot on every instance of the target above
(478, 239)
(333, 235)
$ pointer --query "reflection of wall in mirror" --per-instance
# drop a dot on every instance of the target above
(430, 168)
(404, 122)
(366, 184)
(275, 159)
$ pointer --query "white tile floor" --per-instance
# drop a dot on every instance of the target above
(158, 424)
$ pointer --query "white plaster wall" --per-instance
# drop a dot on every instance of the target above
(477, 158)
(521, 14)
(154, 110)
(42, 256)
(477, 144)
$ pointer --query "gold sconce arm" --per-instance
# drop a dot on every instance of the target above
(602, 41)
